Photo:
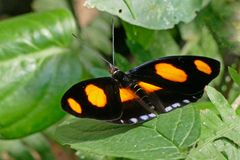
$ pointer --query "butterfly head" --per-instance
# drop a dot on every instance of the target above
(118, 75)
(113, 69)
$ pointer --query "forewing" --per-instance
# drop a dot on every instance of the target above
(95, 98)
(178, 74)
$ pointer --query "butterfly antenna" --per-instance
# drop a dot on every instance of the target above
(113, 50)
(109, 63)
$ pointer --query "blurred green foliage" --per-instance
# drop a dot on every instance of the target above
(40, 60)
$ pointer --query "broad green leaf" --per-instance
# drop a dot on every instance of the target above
(218, 129)
(93, 156)
(166, 137)
(153, 14)
(129, 5)
(36, 68)
(27, 148)
(235, 75)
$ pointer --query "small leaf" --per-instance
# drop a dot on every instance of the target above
(220, 103)
(218, 129)
(148, 44)
(166, 137)
(151, 14)
(235, 75)
(230, 149)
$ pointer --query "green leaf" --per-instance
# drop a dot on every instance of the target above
(235, 75)
(165, 137)
(98, 34)
(198, 39)
(148, 44)
(222, 105)
(122, 62)
(151, 14)
(36, 68)
(222, 19)
(99, 72)
(92, 156)
(218, 129)
(129, 5)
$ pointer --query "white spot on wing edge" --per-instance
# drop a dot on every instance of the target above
(144, 117)
(175, 105)
(152, 115)
(186, 101)
(134, 120)
(169, 108)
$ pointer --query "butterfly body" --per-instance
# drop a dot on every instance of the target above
(140, 94)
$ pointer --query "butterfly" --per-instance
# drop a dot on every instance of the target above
(136, 96)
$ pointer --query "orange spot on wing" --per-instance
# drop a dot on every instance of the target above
(74, 105)
(202, 66)
(126, 94)
(148, 87)
(96, 96)
(170, 72)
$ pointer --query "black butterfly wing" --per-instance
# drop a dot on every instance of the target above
(169, 83)
(182, 81)
(104, 99)
(172, 82)
(95, 98)
(135, 110)
(179, 74)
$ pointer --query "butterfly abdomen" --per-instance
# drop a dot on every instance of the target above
(144, 99)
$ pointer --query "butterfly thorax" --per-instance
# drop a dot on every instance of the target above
(127, 82)
(122, 78)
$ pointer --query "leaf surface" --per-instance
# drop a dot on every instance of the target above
(167, 136)
(36, 68)
(218, 130)
(152, 14)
